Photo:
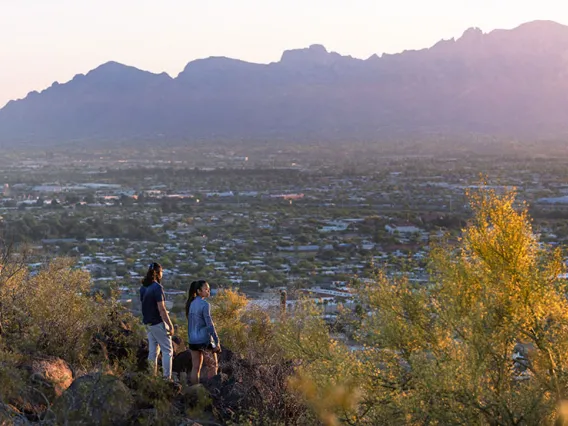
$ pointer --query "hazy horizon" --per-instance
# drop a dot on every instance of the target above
(43, 43)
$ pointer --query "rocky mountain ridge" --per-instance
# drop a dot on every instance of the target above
(503, 83)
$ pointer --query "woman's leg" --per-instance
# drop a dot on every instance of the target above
(211, 364)
(196, 361)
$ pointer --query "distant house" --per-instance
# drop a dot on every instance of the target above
(59, 240)
(288, 196)
(47, 188)
(248, 193)
(402, 229)
(335, 226)
(220, 194)
(305, 248)
(554, 200)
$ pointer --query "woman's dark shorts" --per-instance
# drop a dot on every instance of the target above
(200, 347)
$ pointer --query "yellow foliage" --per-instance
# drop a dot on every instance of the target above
(241, 328)
(443, 353)
(52, 312)
(328, 400)
(328, 377)
(304, 334)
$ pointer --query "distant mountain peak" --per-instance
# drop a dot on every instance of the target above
(541, 25)
(114, 75)
(471, 35)
(111, 66)
(317, 48)
(316, 54)
(212, 63)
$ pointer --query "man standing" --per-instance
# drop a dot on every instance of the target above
(157, 321)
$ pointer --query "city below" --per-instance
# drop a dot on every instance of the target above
(258, 220)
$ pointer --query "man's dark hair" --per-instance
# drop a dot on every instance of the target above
(153, 274)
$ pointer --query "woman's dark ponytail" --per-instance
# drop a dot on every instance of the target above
(192, 293)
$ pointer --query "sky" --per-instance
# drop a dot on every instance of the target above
(42, 41)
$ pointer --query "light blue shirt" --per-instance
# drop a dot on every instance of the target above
(200, 328)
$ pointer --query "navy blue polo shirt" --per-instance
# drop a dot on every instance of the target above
(150, 297)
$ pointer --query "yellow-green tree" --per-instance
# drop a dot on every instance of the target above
(52, 312)
(448, 352)
(244, 329)
(327, 372)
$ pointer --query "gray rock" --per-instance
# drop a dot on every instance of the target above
(95, 399)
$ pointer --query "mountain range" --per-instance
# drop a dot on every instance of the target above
(510, 83)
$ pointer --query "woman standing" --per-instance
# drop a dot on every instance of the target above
(203, 339)
(157, 321)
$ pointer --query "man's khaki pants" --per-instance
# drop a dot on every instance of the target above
(158, 339)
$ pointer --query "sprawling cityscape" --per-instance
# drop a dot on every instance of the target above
(258, 220)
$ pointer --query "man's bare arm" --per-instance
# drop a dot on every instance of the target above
(164, 315)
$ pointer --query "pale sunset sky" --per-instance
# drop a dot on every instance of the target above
(42, 41)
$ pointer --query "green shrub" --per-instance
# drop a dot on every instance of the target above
(51, 313)
(11, 378)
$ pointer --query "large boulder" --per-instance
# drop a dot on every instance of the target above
(48, 378)
(95, 399)
(53, 375)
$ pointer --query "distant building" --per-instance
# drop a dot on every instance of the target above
(220, 194)
(288, 196)
(406, 229)
(305, 248)
(334, 226)
(48, 188)
(554, 200)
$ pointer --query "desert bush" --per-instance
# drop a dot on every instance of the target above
(227, 308)
(327, 373)
(151, 393)
(12, 379)
(52, 312)
(246, 330)
(120, 342)
(442, 353)
(256, 392)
